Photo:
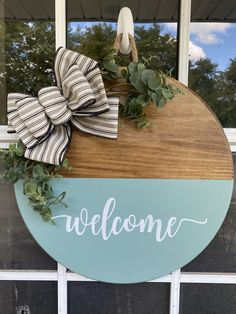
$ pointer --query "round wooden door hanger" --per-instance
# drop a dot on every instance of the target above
(143, 205)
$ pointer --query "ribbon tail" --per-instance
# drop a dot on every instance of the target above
(104, 124)
(53, 149)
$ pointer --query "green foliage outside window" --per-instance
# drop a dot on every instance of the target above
(29, 56)
(218, 89)
(30, 50)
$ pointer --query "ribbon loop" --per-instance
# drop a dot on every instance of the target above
(32, 113)
(77, 90)
(55, 105)
(79, 98)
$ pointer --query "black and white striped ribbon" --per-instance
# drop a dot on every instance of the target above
(79, 99)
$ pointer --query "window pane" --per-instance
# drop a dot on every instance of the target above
(2, 67)
(220, 255)
(18, 250)
(96, 297)
(155, 41)
(207, 298)
(27, 48)
(92, 31)
(213, 67)
(20, 297)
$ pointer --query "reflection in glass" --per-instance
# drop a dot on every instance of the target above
(2, 67)
(154, 42)
(213, 68)
(30, 50)
(27, 50)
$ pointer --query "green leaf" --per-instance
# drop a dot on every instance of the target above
(142, 100)
(7, 163)
(47, 189)
(141, 67)
(38, 171)
(154, 82)
(166, 93)
(12, 147)
(19, 152)
(65, 163)
(12, 176)
(132, 106)
(147, 75)
(110, 66)
(46, 214)
(155, 99)
(132, 67)
(30, 188)
(162, 102)
(19, 149)
(134, 77)
(125, 108)
(140, 86)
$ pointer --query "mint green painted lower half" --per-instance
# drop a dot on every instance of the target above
(158, 225)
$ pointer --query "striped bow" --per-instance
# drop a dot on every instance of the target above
(79, 99)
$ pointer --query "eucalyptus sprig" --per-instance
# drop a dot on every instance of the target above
(36, 178)
(146, 86)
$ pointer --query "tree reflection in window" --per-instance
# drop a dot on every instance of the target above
(29, 50)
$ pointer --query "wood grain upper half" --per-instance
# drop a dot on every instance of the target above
(187, 142)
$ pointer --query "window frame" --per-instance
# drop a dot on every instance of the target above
(62, 275)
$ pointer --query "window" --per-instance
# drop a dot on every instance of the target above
(155, 40)
(27, 49)
(213, 67)
(27, 45)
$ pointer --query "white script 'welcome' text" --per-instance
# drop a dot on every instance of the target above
(108, 224)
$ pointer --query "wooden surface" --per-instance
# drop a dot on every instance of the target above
(187, 143)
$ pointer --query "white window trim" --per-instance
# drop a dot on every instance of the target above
(184, 36)
(61, 275)
(5, 138)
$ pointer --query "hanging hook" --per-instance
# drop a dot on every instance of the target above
(125, 26)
